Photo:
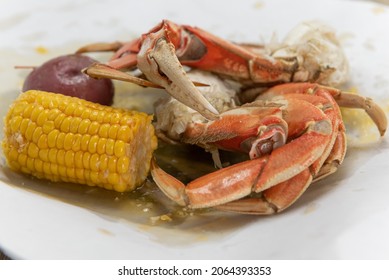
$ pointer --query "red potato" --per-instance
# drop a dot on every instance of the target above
(63, 75)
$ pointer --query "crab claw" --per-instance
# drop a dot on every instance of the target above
(158, 61)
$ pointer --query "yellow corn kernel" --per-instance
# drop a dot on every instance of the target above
(86, 113)
(24, 125)
(78, 160)
(124, 133)
(52, 138)
(101, 146)
(53, 114)
(71, 173)
(112, 162)
(44, 155)
(103, 131)
(93, 128)
(123, 165)
(70, 109)
(14, 124)
(35, 112)
(104, 162)
(13, 155)
(94, 177)
(37, 133)
(58, 120)
(84, 126)
(76, 142)
(42, 118)
(65, 124)
(42, 141)
(30, 131)
(78, 111)
(68, 141)
(33, 150)
(79, 174)
(110, 147)
(92, 146)
(30, 165)
(93, 116)
(69, 158)
(113, 131)
(63, 138)
(54, 168)
(27, 110)
(60, 140)
(62, 171)
(19, 108)
(74, 124)
(48, 126)
(61, 157)
(119, 149)
(38, 164)
(115, 118)
(113, 178)
(46, 168)
(86, 160)
(100, 116)
(126, 120)
(53, 155)
(94, 162)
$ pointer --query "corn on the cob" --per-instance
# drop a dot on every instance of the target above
(63, 138)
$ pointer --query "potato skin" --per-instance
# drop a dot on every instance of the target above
(63, 75)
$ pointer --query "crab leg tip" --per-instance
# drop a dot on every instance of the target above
(98, 70)
(99, 47)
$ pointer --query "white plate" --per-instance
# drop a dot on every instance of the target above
(343, 216)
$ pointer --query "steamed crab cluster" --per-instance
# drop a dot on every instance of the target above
(276, 103)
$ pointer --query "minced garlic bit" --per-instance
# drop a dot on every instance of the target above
(166, 218)
(163, 218)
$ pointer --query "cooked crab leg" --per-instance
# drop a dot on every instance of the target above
(282, 195)
(312, 133)
(343, 99)
(160, 53)
(330, 99)
(334, 159)
(198, 48)
(375, 112)
(279, 197)
(101, 47)
(323, 100)
(274, 199)
(251, 129)
(98, 70)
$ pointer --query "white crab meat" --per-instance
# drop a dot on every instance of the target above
(173, 117)
(319, 54)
